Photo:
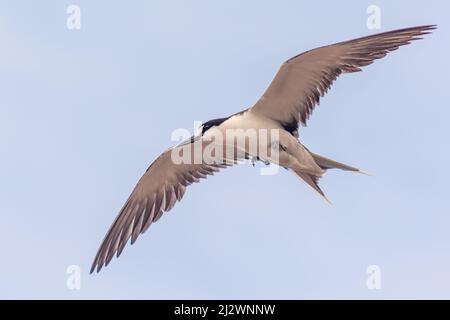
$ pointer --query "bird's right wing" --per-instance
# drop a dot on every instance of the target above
(157, 191)
(303, 79)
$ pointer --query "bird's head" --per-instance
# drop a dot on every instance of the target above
(202, 130)
(210, 124)
(204, 127)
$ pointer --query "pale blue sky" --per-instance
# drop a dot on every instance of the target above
(83, 113)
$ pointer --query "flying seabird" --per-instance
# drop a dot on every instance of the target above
(288, 101)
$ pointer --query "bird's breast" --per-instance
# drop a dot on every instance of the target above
(246, 133)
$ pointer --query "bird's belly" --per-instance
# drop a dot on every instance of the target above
(245, 136)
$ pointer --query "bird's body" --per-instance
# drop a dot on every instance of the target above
(268, 135)
(268, 131)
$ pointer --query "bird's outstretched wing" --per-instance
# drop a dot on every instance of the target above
(303, 79)
(162, 185)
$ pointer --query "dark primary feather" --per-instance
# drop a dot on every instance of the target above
(302, 80)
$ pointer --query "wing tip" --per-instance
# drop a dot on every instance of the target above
(96, 264)
(365, 173)
(95, 268)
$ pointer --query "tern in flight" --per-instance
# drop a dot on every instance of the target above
(288, 101)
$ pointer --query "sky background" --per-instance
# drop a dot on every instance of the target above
(84, 112)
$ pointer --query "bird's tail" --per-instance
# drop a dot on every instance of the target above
(312, 180)
(325, 164)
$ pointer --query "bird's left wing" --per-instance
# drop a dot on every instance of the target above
(303, 79)
(162, 185)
